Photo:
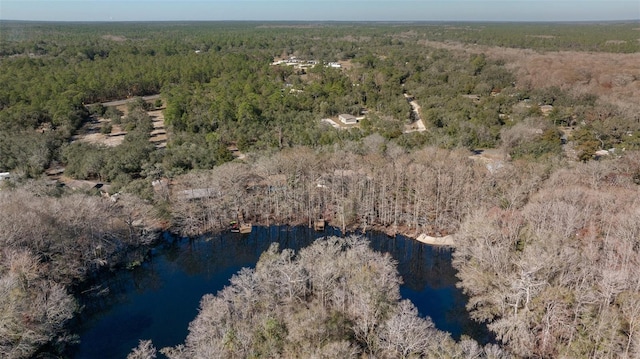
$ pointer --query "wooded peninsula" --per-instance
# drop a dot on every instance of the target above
(518, 143)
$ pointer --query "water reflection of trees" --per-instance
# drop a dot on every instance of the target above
(425, 267)
(211, 254)
(419, 265)
(422, 267)
(147, 277)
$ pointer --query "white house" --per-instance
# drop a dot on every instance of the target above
(348, 119)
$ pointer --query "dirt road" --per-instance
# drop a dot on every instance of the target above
(418, 125)
(125, 101)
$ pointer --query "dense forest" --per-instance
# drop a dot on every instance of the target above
(517, 139)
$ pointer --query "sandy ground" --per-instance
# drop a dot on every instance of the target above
(159, 133)
(335, 123)
(418, 125)
(125, 101)
(90, 131)
(437, 241)
(331, 122)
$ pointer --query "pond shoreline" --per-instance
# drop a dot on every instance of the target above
(436, 239)
(428, 264)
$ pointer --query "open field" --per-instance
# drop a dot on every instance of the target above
(90, 132)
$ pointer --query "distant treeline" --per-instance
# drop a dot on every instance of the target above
(220, 89)
(620, 37)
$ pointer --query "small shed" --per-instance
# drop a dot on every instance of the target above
(348, 119)
(4, 176)
(245, 228)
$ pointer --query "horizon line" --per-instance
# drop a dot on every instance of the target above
(328, 21)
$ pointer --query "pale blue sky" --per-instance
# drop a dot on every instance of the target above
(318, 10)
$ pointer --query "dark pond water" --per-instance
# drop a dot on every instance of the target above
(158, 299)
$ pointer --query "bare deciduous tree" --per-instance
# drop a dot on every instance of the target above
(145, 350)
(557, 277)
(348, 307)
(49, 243)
